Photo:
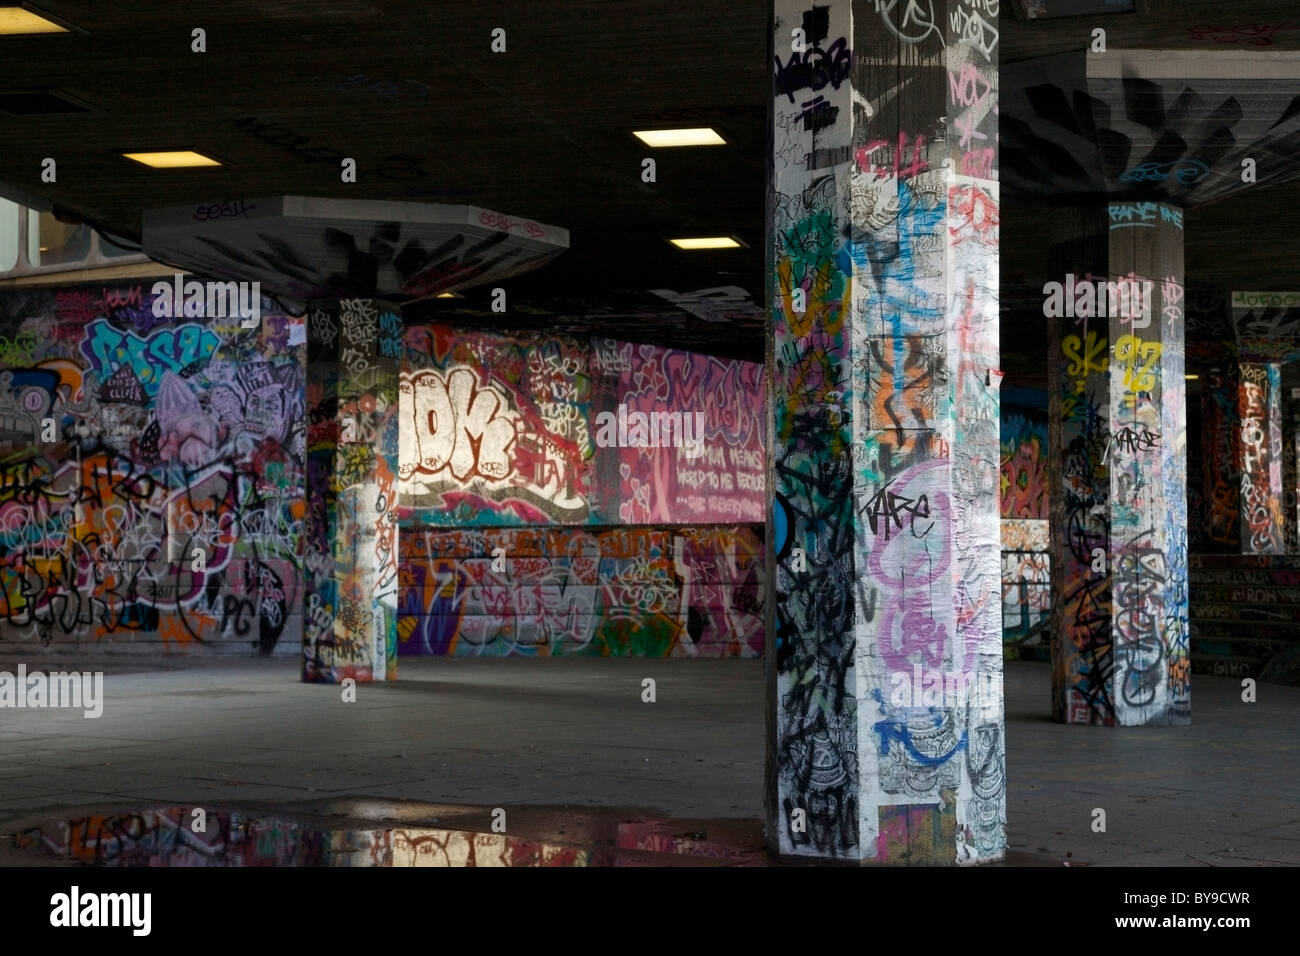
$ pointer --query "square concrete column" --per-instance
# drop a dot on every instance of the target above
(1259, 459)
(1291, 475)
(1264, 325)
(354, 349)
(1245, 472)
(885, 654)
(1119, 499)
(1221, 451)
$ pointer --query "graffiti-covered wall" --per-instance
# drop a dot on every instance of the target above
(587, 442)
(151, 490)
(536, 430)
(153, 496)
(1026, 563)
(643, 592)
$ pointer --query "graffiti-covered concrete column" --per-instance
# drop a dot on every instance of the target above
(1119, 484)
(1243, 474)
(885, 682)
(350, 540)
(1265, 325)
(1291, 473)
(1245, 485)
(1259, 458)
(1220, 468)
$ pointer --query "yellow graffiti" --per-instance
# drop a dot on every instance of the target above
(1139, 360)
(1093, 359)
(821, 310)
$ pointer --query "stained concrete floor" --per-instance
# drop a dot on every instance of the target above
(527, 733)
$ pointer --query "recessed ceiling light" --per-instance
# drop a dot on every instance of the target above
(699, 136)
(174, 159)
(15, 21)
(446, 295)
(706, 242)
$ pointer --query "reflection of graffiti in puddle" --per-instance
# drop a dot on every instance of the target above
(184, 837)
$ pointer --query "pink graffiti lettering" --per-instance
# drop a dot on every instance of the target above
(862, 156)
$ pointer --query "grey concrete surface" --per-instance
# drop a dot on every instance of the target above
(574, 731)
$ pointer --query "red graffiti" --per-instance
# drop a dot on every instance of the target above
(862, 156)
(978, 163)
(974, 215)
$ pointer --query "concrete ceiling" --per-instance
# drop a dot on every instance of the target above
(412, 90)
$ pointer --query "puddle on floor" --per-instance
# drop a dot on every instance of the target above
(352, 831)
(539, 836)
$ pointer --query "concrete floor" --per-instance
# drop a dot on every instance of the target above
(574, 731)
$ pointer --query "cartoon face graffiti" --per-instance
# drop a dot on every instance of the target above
(264, 413)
